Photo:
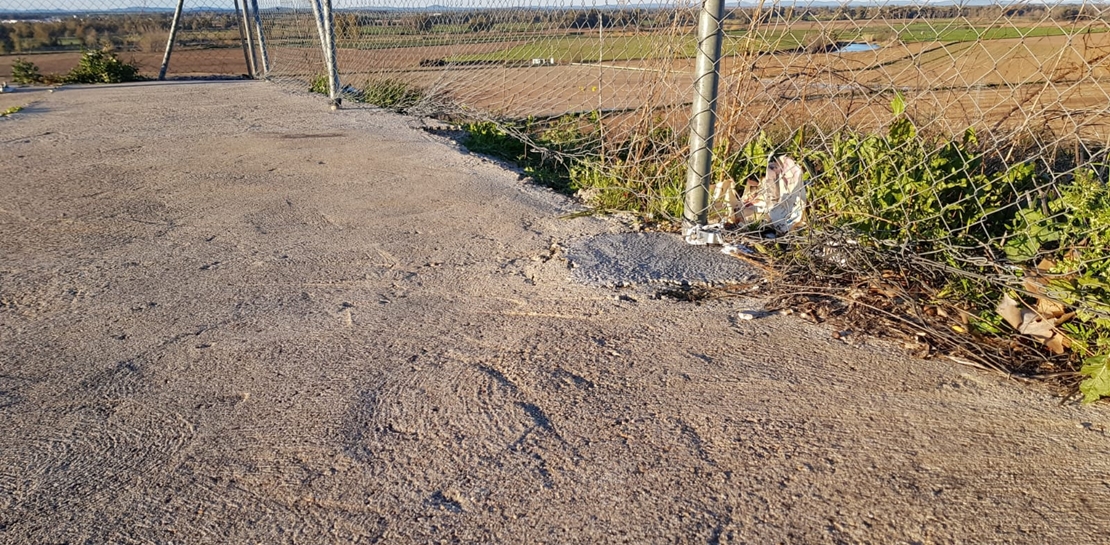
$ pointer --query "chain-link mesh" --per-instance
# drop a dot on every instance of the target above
(956, 152)
(52, 34)
(602, 83)
(968, 141)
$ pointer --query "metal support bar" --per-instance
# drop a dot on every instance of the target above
(330, 54)
(325, 44)
(252, 57)
(242, 35)
(319, 17)
(169, 42)
(703, 118)
(261, 39)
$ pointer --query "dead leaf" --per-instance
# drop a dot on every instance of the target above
(1033, 285)
(1035, 326)
(1049, 308)
(1057, 344)
(1010, 311)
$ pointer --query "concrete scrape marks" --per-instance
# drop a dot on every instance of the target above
(357, 430)
(498, 376)
(99, 463)
(538, 417)
(287, 217)
(562, 377)
(302, 136)
(9, 393)
(119, 380)
(106, 440)
(35, 293)
(463, 416)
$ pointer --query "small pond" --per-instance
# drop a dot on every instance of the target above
(857, 47)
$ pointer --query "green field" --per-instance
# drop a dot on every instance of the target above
(940, 32)
(584, 48)
(587, 47)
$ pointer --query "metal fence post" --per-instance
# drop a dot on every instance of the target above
(261, 39)
(169, 42)
(333, 69)
(326, 30)
(252, 58)
(703, 118)
(243, 36)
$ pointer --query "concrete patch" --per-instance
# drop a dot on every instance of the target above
(639, 258)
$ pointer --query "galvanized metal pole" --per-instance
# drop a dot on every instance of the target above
(242, 35)
(169, 42)
(333, 68)
(316, 13)
(246, 23)
(703, 118)
(261, 39)
(325, 42)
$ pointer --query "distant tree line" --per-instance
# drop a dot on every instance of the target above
(147, 31)
(94, 31)
(1026, 12)
(348, 23)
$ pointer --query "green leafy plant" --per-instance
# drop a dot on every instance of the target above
(901, 191)
(102, 66)
(1097, 384)
(896, 192)
(25, 72)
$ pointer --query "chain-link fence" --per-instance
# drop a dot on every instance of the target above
(951, 155)
(52, 34)
(967, 140)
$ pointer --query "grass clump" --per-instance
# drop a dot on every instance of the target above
(513, 142)
(643, 176)
(394, 94)
(10, 111)
(318, 85)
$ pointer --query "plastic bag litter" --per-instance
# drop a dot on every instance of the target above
(778, 201)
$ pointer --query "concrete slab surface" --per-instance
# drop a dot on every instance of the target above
(230, 315)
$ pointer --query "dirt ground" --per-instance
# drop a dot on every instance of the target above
(183, 63)
(230, 315)
(988, 85)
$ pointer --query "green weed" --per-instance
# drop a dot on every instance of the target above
(26, 72)
(319, 85)
(902, 192)
(391, 93)
(898, 192)
(102, 66)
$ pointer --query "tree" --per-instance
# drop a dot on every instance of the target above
(6, 43)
